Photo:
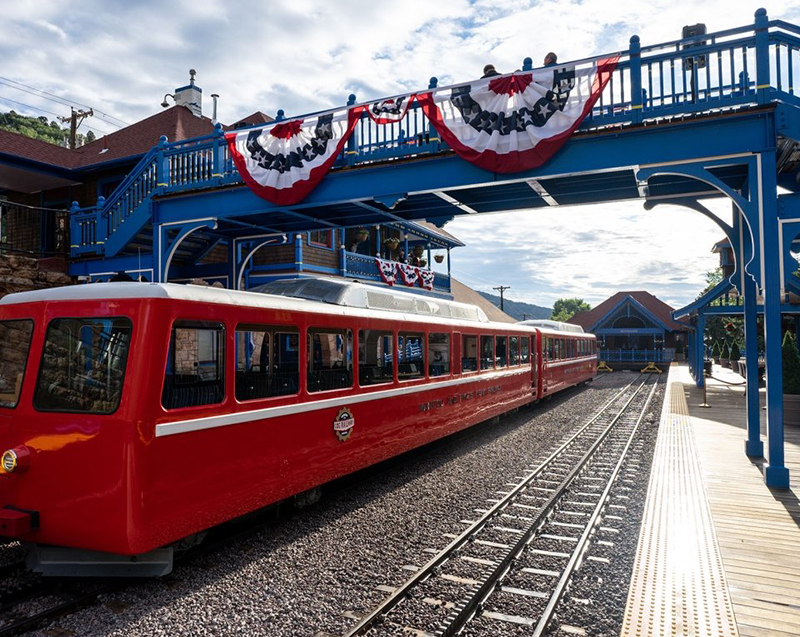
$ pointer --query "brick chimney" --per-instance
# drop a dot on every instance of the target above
(190, 96)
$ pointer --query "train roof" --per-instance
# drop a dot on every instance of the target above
(556, 326)
(352, 294)
(305, 295)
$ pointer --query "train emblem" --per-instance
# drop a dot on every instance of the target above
(344, 423)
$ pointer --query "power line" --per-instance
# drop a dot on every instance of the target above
(56, 98)
(472, 276)
(43, 110)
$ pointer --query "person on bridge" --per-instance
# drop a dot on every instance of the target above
(551, 59)
(489, 71)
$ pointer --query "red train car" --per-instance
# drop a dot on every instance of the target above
(134, 416)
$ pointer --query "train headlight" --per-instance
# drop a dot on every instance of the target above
(16, 459)
(9, 461)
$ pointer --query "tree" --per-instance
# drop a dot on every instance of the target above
(735, 352)
(715, 350)
(725, 353)
(565, 309)
(35, 127)
(791, 365)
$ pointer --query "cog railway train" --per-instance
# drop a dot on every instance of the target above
(135, 416)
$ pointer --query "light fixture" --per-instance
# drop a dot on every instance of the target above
(16, 459)
(9, 460)
(165, 104)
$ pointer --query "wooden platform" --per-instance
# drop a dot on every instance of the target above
(720, 506)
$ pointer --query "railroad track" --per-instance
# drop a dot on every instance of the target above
(522, 551)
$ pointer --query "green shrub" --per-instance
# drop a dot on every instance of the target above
(735, 353)
(725, 353)
(791, 365)
(715, 350)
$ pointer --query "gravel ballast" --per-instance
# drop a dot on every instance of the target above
(314, 570)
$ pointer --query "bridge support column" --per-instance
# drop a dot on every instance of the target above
(753, 446)
(700, 349)
(775, 472)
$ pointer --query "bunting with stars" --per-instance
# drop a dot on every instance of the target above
(284, 161)
(391, 110)
(516, 122)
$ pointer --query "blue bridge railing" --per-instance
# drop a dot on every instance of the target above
(745, 66)
(360, 266)
(665, 355)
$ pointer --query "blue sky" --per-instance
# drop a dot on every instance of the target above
(301, 55)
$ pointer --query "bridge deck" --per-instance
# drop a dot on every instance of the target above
(719, 552)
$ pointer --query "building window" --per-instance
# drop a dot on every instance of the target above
(330, 359)
(375, 357)
(322, 238)
(195, 367)
(439, 354)
(411, 356)
(266, 362)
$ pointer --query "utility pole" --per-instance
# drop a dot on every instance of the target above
(502, 288)
(74, 122)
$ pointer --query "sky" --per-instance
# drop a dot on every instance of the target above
(121, 57)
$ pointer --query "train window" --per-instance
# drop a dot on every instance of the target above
(439, 354)
(513, 350)
(524, 350)
(410, 356)
(195, 365)
(375, 357)
(469, 353)
(15, 343)
(330, 359)
(501, 351)
(83, 365)
(551, 349)
(266, 361)
(487, 352)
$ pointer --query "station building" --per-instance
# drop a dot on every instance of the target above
(39, 182)
(635, 327)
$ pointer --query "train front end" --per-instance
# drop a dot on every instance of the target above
(68, 470)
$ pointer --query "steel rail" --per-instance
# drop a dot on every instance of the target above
(583, 542)
(400, 593)
(65, 607)
(465, 611)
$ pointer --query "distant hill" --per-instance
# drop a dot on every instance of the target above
(517, 309)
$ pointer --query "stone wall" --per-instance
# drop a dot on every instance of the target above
(20, 274)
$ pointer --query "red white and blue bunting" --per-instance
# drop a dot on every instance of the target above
(391, 110)
(517, 122)
(283, 162)
(392, 272)
(387, 270)
(504, 124)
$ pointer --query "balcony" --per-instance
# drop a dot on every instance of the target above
(363, 267)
